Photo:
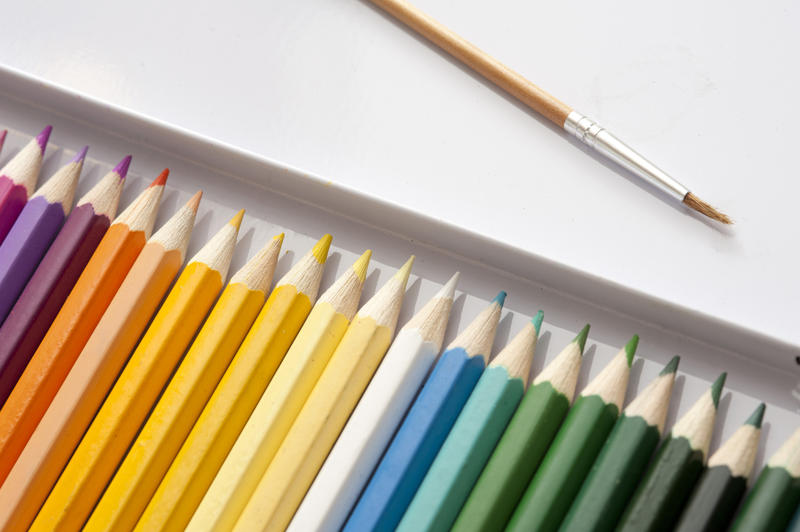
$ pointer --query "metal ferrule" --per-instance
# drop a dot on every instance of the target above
(592, 134)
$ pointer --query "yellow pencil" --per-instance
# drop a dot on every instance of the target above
(234, 399)
(303, 451)
(281, 402)
(186, 394)
(138, 386)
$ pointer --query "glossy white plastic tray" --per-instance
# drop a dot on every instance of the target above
(281, 198)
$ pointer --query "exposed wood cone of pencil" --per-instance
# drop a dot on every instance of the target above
(562, 115)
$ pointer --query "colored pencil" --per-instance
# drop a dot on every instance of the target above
(776, 494)
(672, 474)
(236, 395)
(330, 403)
(623, 459)
(75, 322)
(94, 371)
(376, 417)
(722, 485)
(794, 526)
(578, 442)
(138, 386)
(424, 429)
(3, 138)
(473, 436)
(281, 402)
(524, 443)
(42, 297)
(18, 179)
(186, 394)
(34, 229)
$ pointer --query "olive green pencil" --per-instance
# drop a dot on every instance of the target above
(524, 443)
(721, 486)
(774, 498)
(569, 459)
(623, 459)
(660, 497)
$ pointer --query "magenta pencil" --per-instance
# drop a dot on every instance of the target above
(55, 276)
(18, 179)
(34, 230)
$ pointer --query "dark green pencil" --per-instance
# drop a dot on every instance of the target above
(623, 459)
(673, 473)
(774, 498)
(524, 443)
(570, 457)
(721, 486)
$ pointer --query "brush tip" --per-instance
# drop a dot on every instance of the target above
(581, 337)
(500, 298)
(693, 202)
(81, 155)
(122, 167)
(320, 249)
(43, 137)
(757, 416)
(236, 221)
(161, 180)
(360, 266)
(672, 366)
(537, 321)
(194, 201)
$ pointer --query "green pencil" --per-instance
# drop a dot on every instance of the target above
(624, 458)
(524, 443)
(660, 497)
(474, 436)
(720, 488)
(566, 464)
(774, 498)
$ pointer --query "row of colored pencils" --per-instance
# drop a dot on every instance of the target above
(141, 394)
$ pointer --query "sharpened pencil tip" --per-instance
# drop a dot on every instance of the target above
(360, 266)
(81, 155)
(448, 291)
(122, 167)
(194, 201)
(672, 366)
(320, 249)
(43, 137)
(757, 416)
(581, 338)
(236, 221)
(630, 348)
(3, 137)
(537, 321)
(405, 270)
(500, 298)
(716, 388)
(279, 237)
(161, 180)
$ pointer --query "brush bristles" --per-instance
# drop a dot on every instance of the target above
(705, 209)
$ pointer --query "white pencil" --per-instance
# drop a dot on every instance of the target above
(373, 422)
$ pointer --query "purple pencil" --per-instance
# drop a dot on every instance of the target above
(34, 230)
(18, 179)
(3, 138)
(53, 280)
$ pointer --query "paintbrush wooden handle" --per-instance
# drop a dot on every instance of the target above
(512, 82)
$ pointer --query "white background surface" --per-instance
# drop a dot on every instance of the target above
(706, 90)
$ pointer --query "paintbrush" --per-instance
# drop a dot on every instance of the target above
(585, 129)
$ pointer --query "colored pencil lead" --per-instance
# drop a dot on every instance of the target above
(3, 138)
(537, 321)
(81, 155)
(43, 137)
(122, 167)
(581, 337)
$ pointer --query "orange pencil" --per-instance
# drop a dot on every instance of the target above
(75, 322)
(94, 371)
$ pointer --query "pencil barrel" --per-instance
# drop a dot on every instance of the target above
(771, 503)
(713, 502)
(514, 461)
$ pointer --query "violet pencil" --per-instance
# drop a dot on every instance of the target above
(34, 230)
(55, 276)
(18, 179)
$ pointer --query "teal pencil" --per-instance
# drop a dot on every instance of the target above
(473, 436)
